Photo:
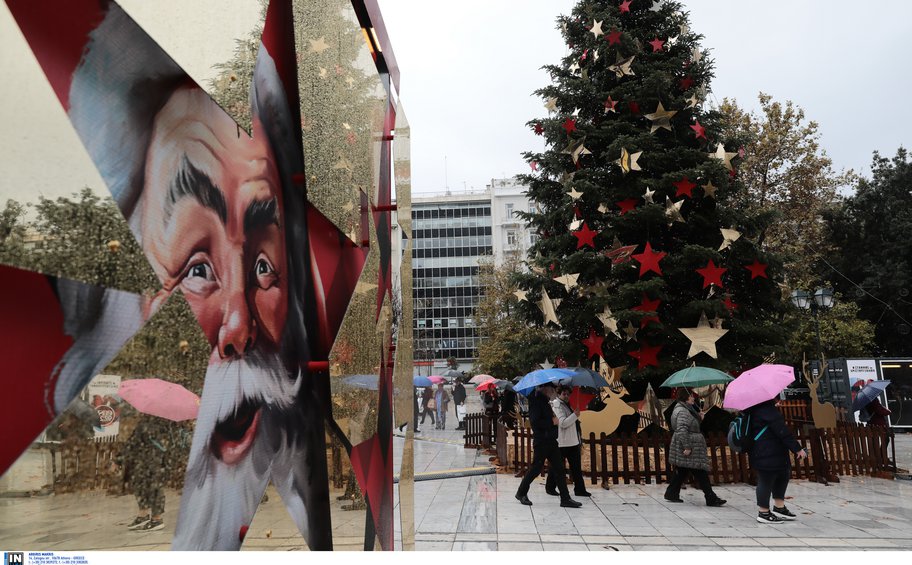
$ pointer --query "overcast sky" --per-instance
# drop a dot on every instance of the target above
(469, 70)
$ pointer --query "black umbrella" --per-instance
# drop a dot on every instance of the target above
(867, 395)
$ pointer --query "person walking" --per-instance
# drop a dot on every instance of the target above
(144, 465)
(687, 451)
(769, 456)
(442, 400)
(429, 405)
(545, 447)
(415, 404)
(459, 398)
(569, 442)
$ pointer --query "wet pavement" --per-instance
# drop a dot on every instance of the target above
(480, 513)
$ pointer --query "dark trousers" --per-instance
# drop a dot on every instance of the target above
(552, 454)
(681, 474)
(427, 412)
(772, 483)
(572, 456)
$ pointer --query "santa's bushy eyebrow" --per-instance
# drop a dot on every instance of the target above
(190, 181)
(261, 213)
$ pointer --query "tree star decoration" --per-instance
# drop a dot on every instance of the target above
(648, 306)
(603, 208)
(548, 308)
(575, 194)
(609, 321)
(574, 68)
(709, 190)
(693, 100)
(646, 355)
(703, 338)
(660, 118)
(647, 196)
(628, 161)
(757, 269)
(569, 281)
(575, 225)
(696, 55)
(649, 260)
(630, 331)
(712, 274)
(521, 295)
(567, 177)
(614, 37)
(684, 187)
(657, 45)
(619, 253)
(585, 236)
(546, 364)
(728, 237)
(622, 66)
(610, 104)
(596, 29)
(551, 104)
(716, 322)
(625, 6)
(723, 156)
(673, 211)
(576, 149)
(699, 131)
(318, 45)
(593, 344)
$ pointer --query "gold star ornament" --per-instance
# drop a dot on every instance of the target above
(622, 67)
(569, 281)
(728, 237)
(703, 338)
(628, 161)
(661, 118)
(722, 155)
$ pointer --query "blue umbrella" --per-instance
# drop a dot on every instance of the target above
(586, 378)
(541, 377)
(866, 395)
(421, 380)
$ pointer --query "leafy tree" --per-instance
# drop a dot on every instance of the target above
(510, 345)
(873, 232)
(788, 175)
(842, 333)
(629, 148)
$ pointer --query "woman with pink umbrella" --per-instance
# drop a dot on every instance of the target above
(770, 439)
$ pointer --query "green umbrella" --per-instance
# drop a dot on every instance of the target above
(694, 377)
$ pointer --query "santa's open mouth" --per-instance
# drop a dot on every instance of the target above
(234, 435)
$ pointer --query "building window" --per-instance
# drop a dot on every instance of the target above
(511, 238)
(533, 238)
(508, 210)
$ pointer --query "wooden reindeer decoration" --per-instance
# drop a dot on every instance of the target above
(607, 419)
(824, 413)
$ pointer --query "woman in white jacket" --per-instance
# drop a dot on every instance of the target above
(568, 439)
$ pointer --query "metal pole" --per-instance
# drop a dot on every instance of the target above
(814, 309)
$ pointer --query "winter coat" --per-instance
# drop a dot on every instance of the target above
(878, 413)
(770, 452)
(687, 435)
(544, 431)
(459, 394)
(567, 433)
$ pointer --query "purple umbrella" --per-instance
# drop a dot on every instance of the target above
(757, 385)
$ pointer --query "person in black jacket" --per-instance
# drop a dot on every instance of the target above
(459, 398)
(544, 445)
(769, 456)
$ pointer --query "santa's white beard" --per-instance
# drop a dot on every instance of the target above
(220, 498)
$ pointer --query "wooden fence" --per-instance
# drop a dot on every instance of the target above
(630, 458)
(480, 431)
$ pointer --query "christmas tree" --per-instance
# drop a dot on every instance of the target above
(643, 261)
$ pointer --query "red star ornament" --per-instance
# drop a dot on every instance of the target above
(657, 45)
(711, 274)
(585, 236)
(613, 38)
(627, 205)
(646, 355)
(610, 104)
(625, 6)
(569, 125)
(685, 83)
(699, 130)
(685, 187)
(593, 344)
(649, 260)
(533, 165)
(647, 305)
(539, 129)
(729, 304)
(634, 108)
(757, 269)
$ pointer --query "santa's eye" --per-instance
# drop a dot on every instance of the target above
(266, 276)
(200, 278)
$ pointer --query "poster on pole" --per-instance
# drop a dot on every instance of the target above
(102, 392)
(860, 372)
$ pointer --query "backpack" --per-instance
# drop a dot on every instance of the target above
(738, 439)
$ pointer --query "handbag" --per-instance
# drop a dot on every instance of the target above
(432, 404)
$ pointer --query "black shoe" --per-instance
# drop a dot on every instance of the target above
(570, 503)
(552, 492)
(523, 499)
(151, 525)
(769, 518)
(783, 513)
(716, 502)
(584, 493)
(138, 522)
(676, 499)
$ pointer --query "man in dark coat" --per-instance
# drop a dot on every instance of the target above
(769, 456)
(544, 445)
(459, 397)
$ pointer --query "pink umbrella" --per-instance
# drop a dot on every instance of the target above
(160, 398)
(437, 379)
(757, 385)
(478, 379)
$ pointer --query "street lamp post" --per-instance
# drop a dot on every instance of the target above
(822, 299)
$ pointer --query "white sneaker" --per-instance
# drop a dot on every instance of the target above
(783, 513)
(769, 518)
